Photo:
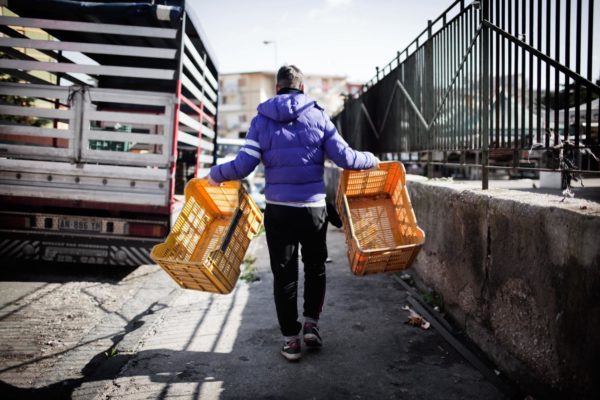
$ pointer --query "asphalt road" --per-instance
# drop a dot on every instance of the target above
(96, 333)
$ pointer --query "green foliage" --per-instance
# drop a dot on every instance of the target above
(248, 274)
(20, 101)
(113, 351)
(433, 299)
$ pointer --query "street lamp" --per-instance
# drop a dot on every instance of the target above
(274, 43)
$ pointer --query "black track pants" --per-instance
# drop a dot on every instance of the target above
(289, 229)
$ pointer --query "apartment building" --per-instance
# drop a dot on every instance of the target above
(241, 93)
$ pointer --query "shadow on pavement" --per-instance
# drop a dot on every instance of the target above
(103, 366)
(227, 347)
(52, 272)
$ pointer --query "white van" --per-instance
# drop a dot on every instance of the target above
(227, 150)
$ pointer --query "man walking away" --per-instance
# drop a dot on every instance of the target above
(291, 135)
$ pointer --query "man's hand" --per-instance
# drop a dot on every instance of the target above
(376, 166)
(211, 182)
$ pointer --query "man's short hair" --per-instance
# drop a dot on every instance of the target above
(289, 76)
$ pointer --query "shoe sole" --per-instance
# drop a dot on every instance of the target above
(291, 357)
(312, 340)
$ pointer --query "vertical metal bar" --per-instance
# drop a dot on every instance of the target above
(493, 41)
(435, 94)
(502, 96)
(458, 90)
(578, 70)
(463, 92)
(201, 119)
(531, 43)
(455, 107)
(497, 42)
(547, 86)
(485, 97)
(444, 132)
(492, 52)
(448, 124)
(479, 89)
(539, 74)
(467, 81)
(442, 72)
(523, 73)
(439, 80)
(428, 84)
(456, 84)
(472, 84)
(556, 73)
(509, 99)
(588, 111)
(515, 102)
(80, 119)
(179, 60)
(461, 133)
(568, 65)
(455, 45)
(475, 144)
(475, 21)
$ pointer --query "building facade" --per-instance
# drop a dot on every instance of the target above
(241, 93)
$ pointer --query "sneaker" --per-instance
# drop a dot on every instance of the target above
(312, 338)
(291, 350)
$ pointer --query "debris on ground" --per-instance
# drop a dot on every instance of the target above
(415, 319)
(408, 279)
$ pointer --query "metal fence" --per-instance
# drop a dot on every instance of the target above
(491, 84)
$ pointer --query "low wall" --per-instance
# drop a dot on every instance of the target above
(519, 272)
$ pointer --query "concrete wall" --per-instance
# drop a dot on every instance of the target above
(520, 273)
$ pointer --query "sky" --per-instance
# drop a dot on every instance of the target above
(333, 37)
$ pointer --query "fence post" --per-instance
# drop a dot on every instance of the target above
(78, 103)
(485, 96)
(428, 96)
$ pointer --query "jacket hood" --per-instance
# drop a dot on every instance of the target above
(286, 107)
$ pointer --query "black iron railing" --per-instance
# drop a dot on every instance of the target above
(491, 83)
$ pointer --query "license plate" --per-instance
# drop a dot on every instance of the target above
(80, 224)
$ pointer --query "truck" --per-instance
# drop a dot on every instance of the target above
(107, 109)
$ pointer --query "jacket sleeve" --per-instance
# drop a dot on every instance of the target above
(244, 162)
(342, 154)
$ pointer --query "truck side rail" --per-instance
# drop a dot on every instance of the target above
(105, 92)
(83, 129)
(64, 65)
(20, 133)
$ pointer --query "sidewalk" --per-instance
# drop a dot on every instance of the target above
(227, 347)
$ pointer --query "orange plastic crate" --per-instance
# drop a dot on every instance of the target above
(207, 244)
(379, 223)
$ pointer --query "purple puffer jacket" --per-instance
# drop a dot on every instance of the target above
(291, 135)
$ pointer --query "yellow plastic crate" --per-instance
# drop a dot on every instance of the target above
(207, 244)
(379, 223)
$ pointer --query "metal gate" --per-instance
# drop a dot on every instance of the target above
(485, 82)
